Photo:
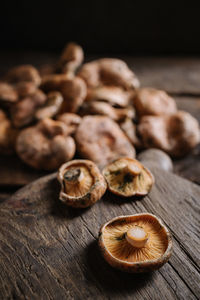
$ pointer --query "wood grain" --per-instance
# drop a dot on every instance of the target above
(49, 251)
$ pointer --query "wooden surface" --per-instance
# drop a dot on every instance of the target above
(178, 76)
(49, 251)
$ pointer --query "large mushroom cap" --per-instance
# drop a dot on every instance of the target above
(136, 243)
(128, 177)
(81, 183)
(101, 140)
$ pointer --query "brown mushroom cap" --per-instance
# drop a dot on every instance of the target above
(175, 134)
(81, 183)
(71, 58)
(150, 254)
(52, 106)
(23, 112)
(46, 145)
(111, 94)
(23, 73)
(7, 93)
(108, 71)
(149, 101)
(101, 140)
(8, 134)
(128, 177)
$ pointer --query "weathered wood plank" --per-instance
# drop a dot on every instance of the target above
(54, 250)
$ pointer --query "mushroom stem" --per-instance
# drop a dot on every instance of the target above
(137, 236)
(130, 168)
(74, 176)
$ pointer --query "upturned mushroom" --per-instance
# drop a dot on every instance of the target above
(136, 243)
(81, 183)
(128, 177)
(45, 146)
(150, 101)
(108, 71)
(8, 135)
(101, 140)
(175, 134)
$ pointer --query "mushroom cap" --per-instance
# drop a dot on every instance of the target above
(111, 94)
(175, 134)
(101, 140)
(23, 73)
(108, 71)
(150, 101)
(85, 192)
(7, 93)
(45, 146)
(127, 177)
(120, 254)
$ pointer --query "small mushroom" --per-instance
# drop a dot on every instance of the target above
(106, 109)
(23, 112)
(25, 73)
(111, 94)
(71, 58)
(8, 135)
(136, 243)
(149, 101)
(46, 145)
(101, 140)
(175, 134)
(52, 106)
(128, 177)
(7, 93)
(71, 120)
(81, 183)
(108, 71)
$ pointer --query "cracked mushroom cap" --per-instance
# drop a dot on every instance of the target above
(101, 140)
(176, 134)
(81, 183)
(108, 71)
(128, 177)
(149, 101)
(45, 146)
(136, 243)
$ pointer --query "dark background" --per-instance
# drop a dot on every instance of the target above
(127, 27)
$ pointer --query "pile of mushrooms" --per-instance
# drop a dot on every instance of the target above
(105, 113)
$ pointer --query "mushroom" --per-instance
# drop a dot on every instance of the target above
(108, 71)
(71, 121)
(25, 73)
(128, 177)
(136, 243)
(149, 101)
(71, 58)
(106, 109)
(101, 140)
(23, 112)
(130, 129)
(81, 183)
(52, 106)
(45, 146)
(175, 134)
(111, 94)
(7, 93)
(7, 135)
(24, 88)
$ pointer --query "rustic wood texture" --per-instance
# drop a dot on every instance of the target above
(49, 251)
